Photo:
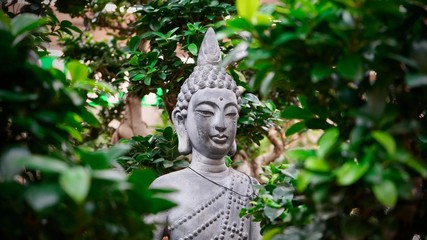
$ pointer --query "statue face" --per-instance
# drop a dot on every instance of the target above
(211, 121)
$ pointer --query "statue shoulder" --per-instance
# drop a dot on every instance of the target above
(170, 180)
(245, 176)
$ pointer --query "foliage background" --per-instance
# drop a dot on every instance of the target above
(353, 70)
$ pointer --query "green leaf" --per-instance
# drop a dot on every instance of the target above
(17, 97)
(350, 172)
(109, 175)
(272, 233)
(298, 154)
(73, 133)
(282, 193)
(116, 151)
(168, 133)
(239, 23)
(5, 21)
(134, 43)
(169, 34)
(192, 48)
(266, 83)
(303, 180)
(262, 19)
(416, 80)
(252, 98)
(162, 75)
(146, 34)
(272, 213)
(26, 22)
(42, 163)
(65, 24)
(147, 80)
(76, 183)
(94, 159)
(410, 161)
(138, 77)
(8, 168)
(294, 112)
(295, 128)
(167, 164)
(247, 8)
(99, 85)
(181, 163)
(158, 205)
(316, 164)
(142, 178)
(351, 67)
(40, 197)
(78, 71)
(327, 142)
(134, 61)
(317, 123)
(386, 140)
(421, 168)
(284, 38)
(386, 193)
(304, 101)
(89, 117)
(320, 72)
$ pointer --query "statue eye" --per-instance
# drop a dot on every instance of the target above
(231, 111)
(205, 113)
(231, 114)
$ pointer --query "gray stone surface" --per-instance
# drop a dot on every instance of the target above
(209, 195)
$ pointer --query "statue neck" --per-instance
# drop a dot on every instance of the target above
(201, 163)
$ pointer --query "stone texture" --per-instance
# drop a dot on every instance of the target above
(208, 194)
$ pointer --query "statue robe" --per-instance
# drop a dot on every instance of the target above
(206, 210)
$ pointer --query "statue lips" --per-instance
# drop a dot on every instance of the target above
(219, 138)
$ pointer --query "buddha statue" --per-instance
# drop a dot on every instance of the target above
(209, 195)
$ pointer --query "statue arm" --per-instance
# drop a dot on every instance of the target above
(160, 224)
(160, 220)
(255, 233)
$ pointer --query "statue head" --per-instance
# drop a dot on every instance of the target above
(206, 113)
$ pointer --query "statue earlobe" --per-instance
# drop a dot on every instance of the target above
(233, 149)
(184, 145)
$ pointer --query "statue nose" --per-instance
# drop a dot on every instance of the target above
(220, 124)
(220, 128)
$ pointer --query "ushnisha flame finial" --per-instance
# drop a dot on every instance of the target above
(209, 52)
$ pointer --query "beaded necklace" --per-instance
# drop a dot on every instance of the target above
(252, 196)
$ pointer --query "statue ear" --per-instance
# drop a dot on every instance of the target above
(233, 149)
(184, 145)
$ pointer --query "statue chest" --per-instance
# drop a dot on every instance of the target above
(212, 212)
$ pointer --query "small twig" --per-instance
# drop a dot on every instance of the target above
(269, 157)
(10, 4)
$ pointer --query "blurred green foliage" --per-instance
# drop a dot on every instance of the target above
(355, 69)
(162, 67)
(158, 152)
(51, 188)
(53, 184)
(255, 119)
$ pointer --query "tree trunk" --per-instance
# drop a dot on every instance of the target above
(254, 168)
(131, 124)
